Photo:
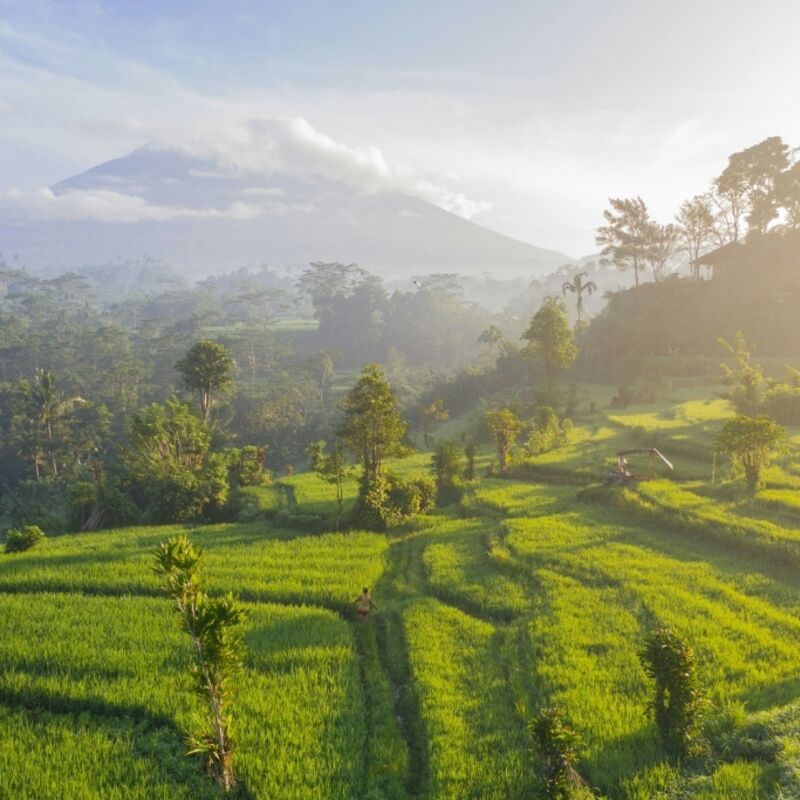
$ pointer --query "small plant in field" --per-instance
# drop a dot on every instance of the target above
(214, 625)
(446, 465)
(557, 746)
(21, 539)
(751, 440)
(669, 661)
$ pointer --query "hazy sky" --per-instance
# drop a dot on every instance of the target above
(524, 116)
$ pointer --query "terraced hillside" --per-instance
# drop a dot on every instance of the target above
(534, 591)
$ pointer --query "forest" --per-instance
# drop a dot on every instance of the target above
(572, 504)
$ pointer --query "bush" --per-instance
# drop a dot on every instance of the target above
(389, 500)
(446, 465)
(641, 392)
(557, 746)
(247, 466)
(782, 403)
(21, 539)
(669, 661)
(548, 432)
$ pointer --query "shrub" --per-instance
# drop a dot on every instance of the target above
(247, 466)
(557, 746)
(446, 465)
(669, 661)
(548, 432)
(750, 440)
(470, 451)
(388, 500)
(20, 539)
(782, 403)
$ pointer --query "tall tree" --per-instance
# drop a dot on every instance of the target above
(787, 195)
(624, 236)
(661, 245)
(551, 340)
(42, 423)
(578, 286)
(206, 368)
(696, 228)
(371, 423)
(745, 188)
(491, 336)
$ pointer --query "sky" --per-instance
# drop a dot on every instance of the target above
(524, 116)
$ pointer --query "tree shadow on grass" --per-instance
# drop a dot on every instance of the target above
(771, 695)
(153, 737)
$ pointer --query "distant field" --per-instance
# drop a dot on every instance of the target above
(534, 591)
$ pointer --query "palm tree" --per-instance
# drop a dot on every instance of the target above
(491, 336)
(578, 286)
(46, 408)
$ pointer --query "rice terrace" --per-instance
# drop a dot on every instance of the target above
(399, 401)
(524, 590)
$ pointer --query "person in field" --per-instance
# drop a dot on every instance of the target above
(363, 604)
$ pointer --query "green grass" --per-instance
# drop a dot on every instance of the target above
(531, 592)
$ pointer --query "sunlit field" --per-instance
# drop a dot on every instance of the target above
(533, 591)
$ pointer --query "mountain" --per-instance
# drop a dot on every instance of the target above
(203, 218)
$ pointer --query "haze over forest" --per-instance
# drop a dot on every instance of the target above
(399, 401)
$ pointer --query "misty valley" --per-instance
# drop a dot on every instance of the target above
(320, 481)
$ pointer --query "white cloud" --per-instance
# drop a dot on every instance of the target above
(107, 206)
(296, 147)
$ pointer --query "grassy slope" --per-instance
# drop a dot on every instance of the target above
(526, 595)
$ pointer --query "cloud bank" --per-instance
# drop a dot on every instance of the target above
(259, 147)
(108, 206)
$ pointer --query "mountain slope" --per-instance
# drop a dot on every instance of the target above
(204, 218)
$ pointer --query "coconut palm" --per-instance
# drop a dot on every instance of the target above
(578, 286)
(491, 336)
(45, 409)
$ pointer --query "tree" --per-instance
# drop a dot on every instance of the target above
(661, 244)
(787, 195)
(446, 465)
(669, 661)
(551, 340)
(751, 440)
(696, 228)
(505, 427)
(624, 236)
(578, 286)
(332, 468)
(491, 336)
(430, 413)
(169, 455)
(207, 367)
(371, 424)
(42, 424)
(214, 626)
(746, 187)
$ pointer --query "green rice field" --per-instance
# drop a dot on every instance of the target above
(534, 591)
